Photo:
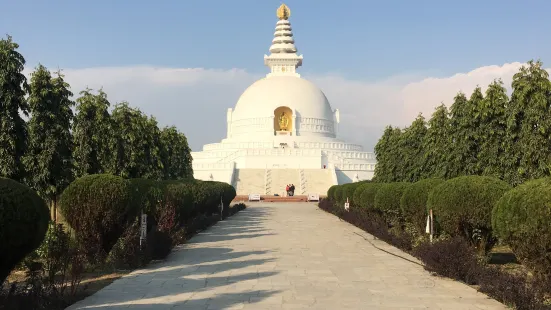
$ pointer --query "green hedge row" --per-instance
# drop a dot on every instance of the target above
(104, 211)
(480, 209)
(101, 207)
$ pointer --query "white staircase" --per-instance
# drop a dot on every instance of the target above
(303, 182)
(250, 181)
(268, 182)
(280, 178)
(317, 181)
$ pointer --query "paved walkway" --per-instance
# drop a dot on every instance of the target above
(285, 256)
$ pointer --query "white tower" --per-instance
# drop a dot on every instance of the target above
(283, 59)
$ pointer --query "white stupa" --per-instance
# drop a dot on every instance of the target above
(283, 131)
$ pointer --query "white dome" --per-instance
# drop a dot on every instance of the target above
(265, 95)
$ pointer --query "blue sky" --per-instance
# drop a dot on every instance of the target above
(379, 62)
(366, 39)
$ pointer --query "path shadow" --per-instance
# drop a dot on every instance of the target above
(196, 276)
(244, 225)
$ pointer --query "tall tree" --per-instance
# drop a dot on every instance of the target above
(13, 129)
(92, 133)
(389, 156)
(492, 120)
(529, 125)
(463, 129)
(137, 144)
(437, 145)
(49, 156)
(176, 156)
(411, 146)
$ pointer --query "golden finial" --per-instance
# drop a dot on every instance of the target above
(283, 12)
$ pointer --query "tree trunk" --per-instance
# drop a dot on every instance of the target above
(54, 204)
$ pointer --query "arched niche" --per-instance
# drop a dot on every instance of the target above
(283, 113)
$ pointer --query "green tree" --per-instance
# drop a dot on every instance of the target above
(463, 130)
(92, 133)
(529, 125)
(13, 129)
(49, 157)
(137, 144)
(411, 146)
(436, 145)
(389, 156)
(492, 117)
(176, 155)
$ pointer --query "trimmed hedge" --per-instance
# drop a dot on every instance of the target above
(414, 202)
(463, 207)
(357, 196)
(98, 207)
(387, 200)
(24, 221)
(348, 191)
(337, 194)
(331, 192)
(522, 219)
(367, 198)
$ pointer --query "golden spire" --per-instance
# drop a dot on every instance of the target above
(283, 12)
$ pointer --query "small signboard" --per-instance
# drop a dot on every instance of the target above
(254, 197)
(313, 197)
(143, 230)
(346, 205)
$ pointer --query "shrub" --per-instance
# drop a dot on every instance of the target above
(160, 244)
(178, 197)
(331, 192)
(349, 190)
(414, 202)
(24, 221)
(387, 201)
(521, 218)
(367, 197)
(512, 289)
(146, 196)
(207, 196)
(357, 196)
(98, 208)
(127, 253)
(453, 258)
(338, 194)
(463, 207)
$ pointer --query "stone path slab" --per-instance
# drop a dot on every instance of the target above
(285, 256)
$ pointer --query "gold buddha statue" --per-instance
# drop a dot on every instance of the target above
(283, 122)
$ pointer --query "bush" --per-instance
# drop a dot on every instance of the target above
(331, 192)
(338, 194)
(521, 218)
(178, 197)
(24, 221)
(367, 198)
(387, 201)
(160, 244)
(453, 258)
(207, 196)
(357, 196)
(348, 191)
(98, 208)
(513, 289)
(414, 202)
(463, 207)
(146, 197)
(127, 253)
